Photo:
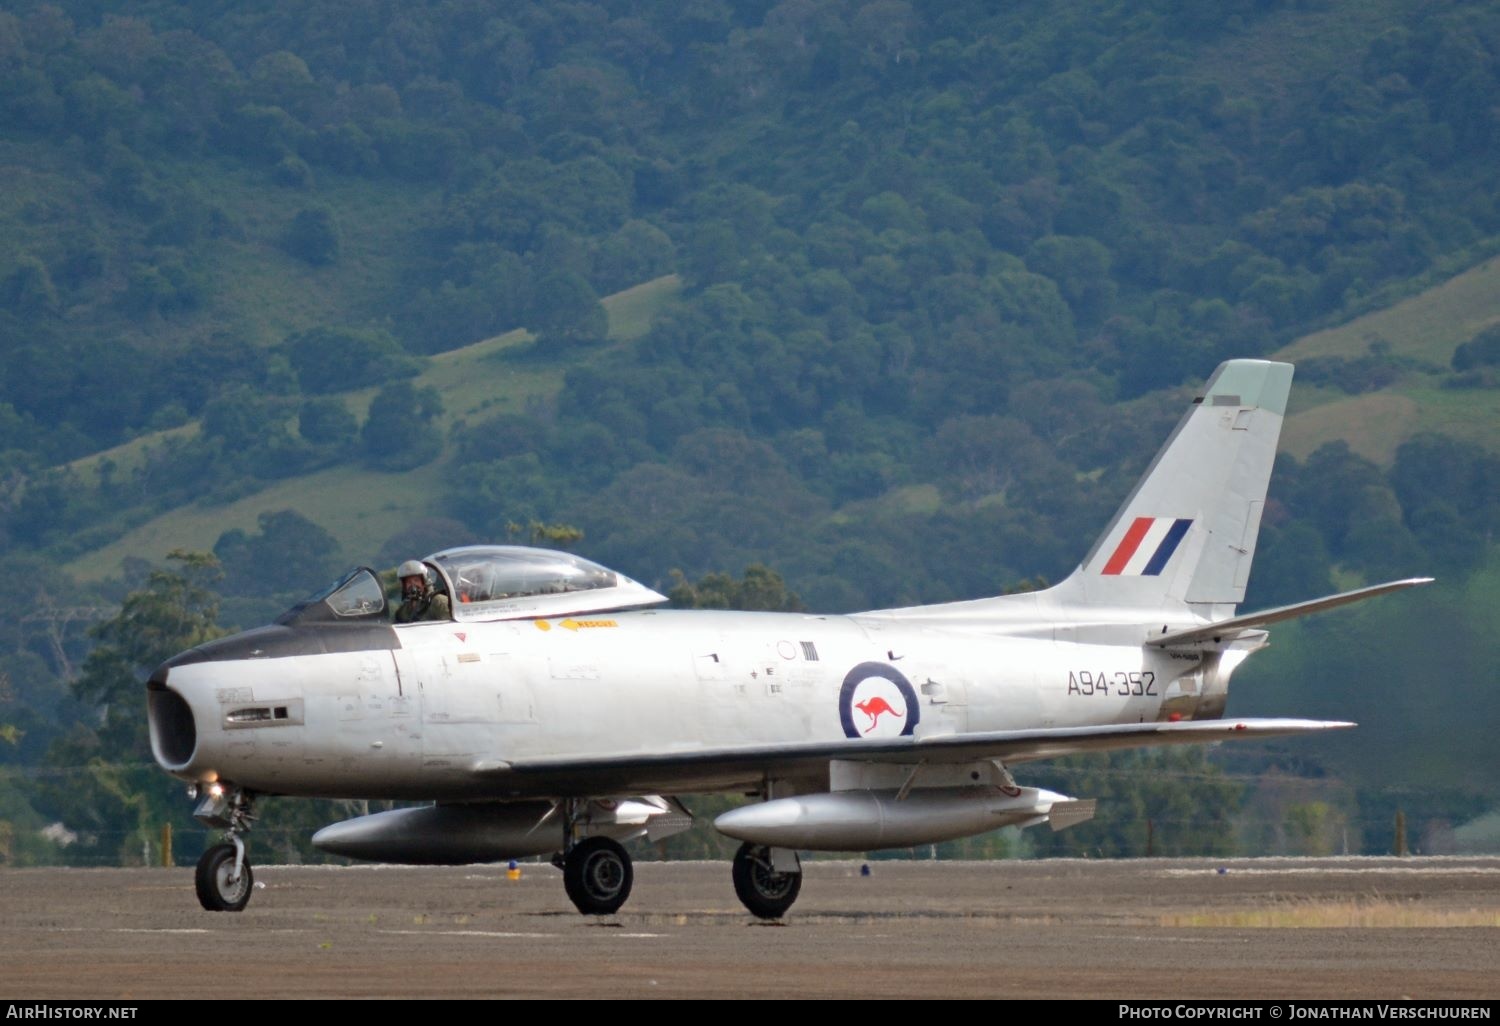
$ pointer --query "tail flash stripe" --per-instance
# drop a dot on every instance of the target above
(1128, 545)
(1167, 547)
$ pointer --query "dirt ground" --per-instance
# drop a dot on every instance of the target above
(1150, 928)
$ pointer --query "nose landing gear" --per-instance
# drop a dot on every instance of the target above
(224, 879)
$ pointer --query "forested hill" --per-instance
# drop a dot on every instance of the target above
(930, 267)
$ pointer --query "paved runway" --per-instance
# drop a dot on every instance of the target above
(1150, 928)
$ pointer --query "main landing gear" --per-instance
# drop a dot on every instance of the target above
(596, 870)
(224, 879)
(766, 885)
(597, 873)
(597, 876)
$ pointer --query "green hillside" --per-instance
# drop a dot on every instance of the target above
(362, 508)
(1425, 327)
(1422, 331)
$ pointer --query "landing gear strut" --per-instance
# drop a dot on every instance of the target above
(764, 890)
(224, 879)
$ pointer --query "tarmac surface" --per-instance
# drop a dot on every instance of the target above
(1148, 928)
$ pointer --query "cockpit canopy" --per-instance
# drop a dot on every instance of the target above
(508, 582)
(486, 582)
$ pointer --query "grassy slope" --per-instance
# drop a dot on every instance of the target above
(360, 507)
(1425, 328)
(1428, 326)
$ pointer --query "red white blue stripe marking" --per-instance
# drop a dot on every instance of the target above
(1147, 546)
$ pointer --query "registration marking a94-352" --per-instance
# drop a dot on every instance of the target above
(1121, 683)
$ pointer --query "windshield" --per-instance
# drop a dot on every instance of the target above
(355, 596)
(359, 595)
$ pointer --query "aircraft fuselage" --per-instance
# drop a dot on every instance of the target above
(437, 711)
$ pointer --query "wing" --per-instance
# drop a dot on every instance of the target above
(728, 768)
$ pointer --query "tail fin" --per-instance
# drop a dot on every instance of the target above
(1185, 537)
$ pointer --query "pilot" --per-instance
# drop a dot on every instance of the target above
(418, 601)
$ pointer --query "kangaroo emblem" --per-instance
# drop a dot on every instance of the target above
(873, 707)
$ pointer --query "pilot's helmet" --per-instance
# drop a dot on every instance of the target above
(418, 589)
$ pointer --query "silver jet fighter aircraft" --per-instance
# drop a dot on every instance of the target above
(554, 712)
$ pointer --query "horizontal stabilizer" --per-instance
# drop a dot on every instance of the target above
(1228, 630)
(1071, 813)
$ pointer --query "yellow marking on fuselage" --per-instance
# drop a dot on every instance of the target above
(574, 625)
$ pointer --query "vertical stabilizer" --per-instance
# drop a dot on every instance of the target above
(1186, 534)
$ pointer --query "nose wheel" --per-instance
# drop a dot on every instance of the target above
(762, 889)
(597, 876)
(224, 879)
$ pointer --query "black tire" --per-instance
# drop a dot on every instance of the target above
(762, 890)
(597, 876)
(217, 892)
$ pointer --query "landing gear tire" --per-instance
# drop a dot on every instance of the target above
(762, 890)
(597, 876)
(219, 889)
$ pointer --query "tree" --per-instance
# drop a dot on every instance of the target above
(331, 359)
(244, 419)
(327, 422)
(109, 791)
(566, 312)
(1291, 565)
(281, 79)
(289, 554)
(166, 287)
(712, 253)
(761, 589)
(1081, 269)
(638, 252)
(28, 289)
(1159, 801)
(1483, 350)
(430, 534)
(400, 432)
(175, 610)
(537, 532)
(313, 236)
